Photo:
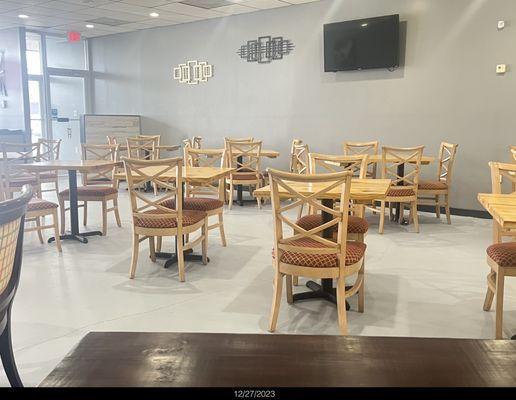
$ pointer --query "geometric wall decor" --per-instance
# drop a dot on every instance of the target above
(193, 72)
(3, 87)
(265, 49)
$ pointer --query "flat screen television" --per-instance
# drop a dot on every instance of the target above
(362, 44)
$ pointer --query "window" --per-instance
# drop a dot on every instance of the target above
(64, 54)
(33, 52)
(36, 120)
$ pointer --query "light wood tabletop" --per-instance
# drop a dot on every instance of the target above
(64, 165)
(190, 174)
(361, 189)
(502, 208)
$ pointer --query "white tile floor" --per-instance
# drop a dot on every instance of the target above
(429, 284)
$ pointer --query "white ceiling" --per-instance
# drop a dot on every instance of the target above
(115, 16)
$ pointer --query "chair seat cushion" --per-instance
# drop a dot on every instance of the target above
(355, 224)
(21, 180)
(432, 185)
(190, 217)
(400, 192)
(243, 175)
(95, 191)
(354, 253)
(504, 254)
(36, 204)
(196, 203)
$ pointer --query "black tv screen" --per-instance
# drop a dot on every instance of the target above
(362, 44)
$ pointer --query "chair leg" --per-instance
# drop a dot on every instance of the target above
(104, 217)
(159, 243)
(276, 300)
(258, 199)
(500, 277)
(221, 228)
(7, 354)
(136, 250)
(437, 207)
(361, 292)
(382, 216)
(117, 213)
(85, 214)
(415, 217)
(341, 305)
(230, 205)
(180, 258)
(288, 283)
(63, 214)
(204, 233)
(447, 208)
(152, 249)
(56, 232)
(295, 280)
(155, 189)
(40, 234)
(488, 302)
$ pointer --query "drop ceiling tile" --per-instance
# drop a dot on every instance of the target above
(236, 9)
(128, 8)
(9, 5)
(147, 3)
(265, 4)
(189, 10)
(63, 5)
(90, 3)
(207, 4)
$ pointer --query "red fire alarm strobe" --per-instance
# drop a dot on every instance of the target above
(74, 36)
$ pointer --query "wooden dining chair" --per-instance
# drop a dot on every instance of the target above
(513, 153)
(430, 191)
(307, 252)
(144, 148)
(360, 148)
(299, 162)
(402, 165)
(194, 142)
(501, 257)
(206, 197)
(98, 186)
(49, 150)
(14, 155)
(245, 158)
(155, 218)
(12, 214)
(37, 208)
(119, 175)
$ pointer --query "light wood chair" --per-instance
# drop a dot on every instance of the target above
(194, 142)
(513, 152)
(15, 154)
(49, 150)
(119, 175)
(98, 186)
(245, 158)
(307, 253)
(299, 162)
(154, 218)
(503, 179)
(206, 197)
(12, 213)
(501, 257)
(360, 148)
(37, 208)
(430, 191)
(404, 184)
(144, 148)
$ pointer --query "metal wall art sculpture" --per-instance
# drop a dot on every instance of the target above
(3, 87)
(265, 49)
(193, 72)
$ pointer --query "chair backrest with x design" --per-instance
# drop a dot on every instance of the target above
(447, 153)
(311, 241)
(159, 172)
(194, 142)
(143, 147)
(409, 158)
(500, 173)
(205, 158)
(359, 148)
(513, 153)
(15, 154)
(101, 152)
(49, 149)
(326, 163)
(299, 157)
(244, 156)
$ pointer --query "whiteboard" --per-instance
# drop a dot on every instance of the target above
(96, 128)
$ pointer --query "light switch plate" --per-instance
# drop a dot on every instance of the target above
(501, 69)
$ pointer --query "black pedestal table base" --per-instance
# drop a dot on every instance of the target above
(81, 237)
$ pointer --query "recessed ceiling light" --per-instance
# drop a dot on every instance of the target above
(23, 16)
(90, 26)
(154, 14)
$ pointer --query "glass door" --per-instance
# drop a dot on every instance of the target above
(67, 104)
(37, 127)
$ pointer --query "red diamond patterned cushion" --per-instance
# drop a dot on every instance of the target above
(36, 204)
(97, 191)
(354, 253)
(196, 203)
(189, 218)
(432, 185)
(355, 224)
(504, 254)
(245, 175)
(395, 192)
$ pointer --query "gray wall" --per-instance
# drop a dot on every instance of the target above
(12, 117)
(447, 89)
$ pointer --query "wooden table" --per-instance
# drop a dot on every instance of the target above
(199, 175)
(72, 167)
(161, 147)
(361, 191)
(117, 359)
(425, 160)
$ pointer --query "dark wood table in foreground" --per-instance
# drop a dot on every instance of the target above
(236, 360)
